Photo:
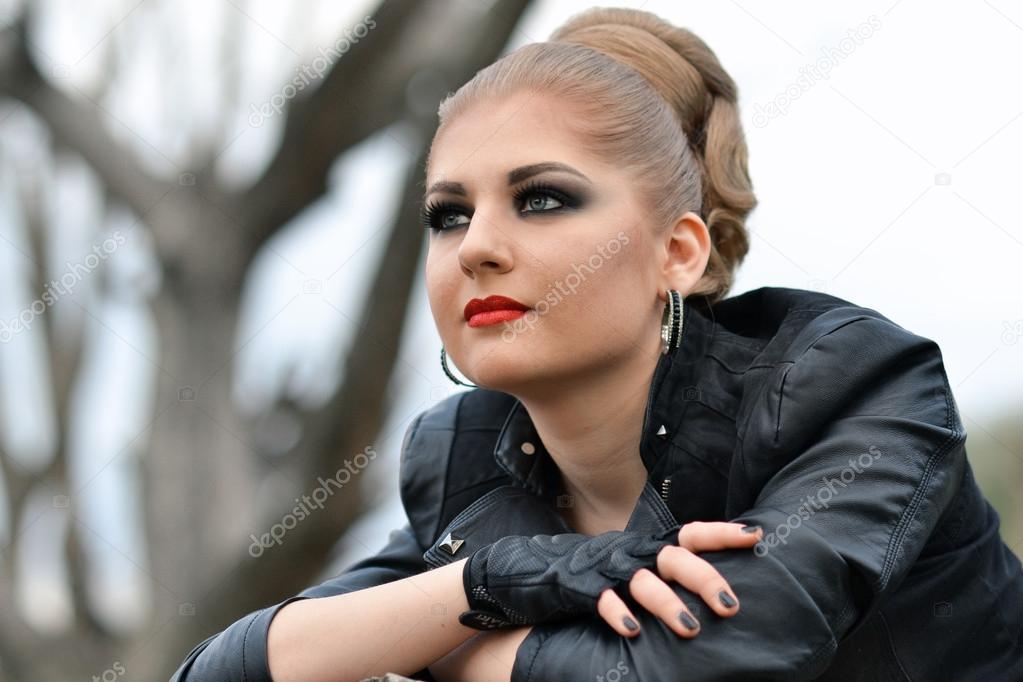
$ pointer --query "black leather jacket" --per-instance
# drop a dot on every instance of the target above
(823, 421)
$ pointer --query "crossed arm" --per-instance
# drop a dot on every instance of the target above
(880, 454)
(491, 655)
(871, 402)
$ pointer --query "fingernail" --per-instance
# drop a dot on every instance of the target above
(726, 599)
(750, 529)
(630, 624)
(688, 620)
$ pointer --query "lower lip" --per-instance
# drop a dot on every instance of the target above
(494, 317)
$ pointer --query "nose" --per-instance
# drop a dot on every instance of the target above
(486, 246)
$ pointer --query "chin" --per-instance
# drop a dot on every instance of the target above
(496, 365)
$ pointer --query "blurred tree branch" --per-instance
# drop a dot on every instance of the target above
(199, 468)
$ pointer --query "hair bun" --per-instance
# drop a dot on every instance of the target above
(638, 81)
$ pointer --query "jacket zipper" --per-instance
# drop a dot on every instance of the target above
(665, 487)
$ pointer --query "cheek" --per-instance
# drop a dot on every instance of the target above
(438, 284)
(443, 277)
(613, 268)
(439, 270)
(615, 297)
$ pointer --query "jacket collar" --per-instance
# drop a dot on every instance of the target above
(521, 453)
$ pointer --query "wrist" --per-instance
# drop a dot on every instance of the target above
(482, 611)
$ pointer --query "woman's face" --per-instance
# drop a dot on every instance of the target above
(523, 211)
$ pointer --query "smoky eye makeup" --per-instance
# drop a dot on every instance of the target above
(440, 215)
(434, 214)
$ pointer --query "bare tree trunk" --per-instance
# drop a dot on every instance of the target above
(203, 475)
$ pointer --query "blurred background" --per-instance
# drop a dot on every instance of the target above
(211, 295)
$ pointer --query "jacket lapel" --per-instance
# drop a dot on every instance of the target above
(651, 514)
(512, 510)
(505, 510)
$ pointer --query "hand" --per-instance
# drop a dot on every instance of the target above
(680, 563)
(521, 580)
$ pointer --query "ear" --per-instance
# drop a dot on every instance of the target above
(686, 253)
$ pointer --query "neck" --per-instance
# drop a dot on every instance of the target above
(592, 430)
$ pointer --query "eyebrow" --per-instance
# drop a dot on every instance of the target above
(515, 176)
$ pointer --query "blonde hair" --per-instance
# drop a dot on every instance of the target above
(657, 102)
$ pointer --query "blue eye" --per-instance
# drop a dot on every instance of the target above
(544, 191)
(444, 215)
(437, 216)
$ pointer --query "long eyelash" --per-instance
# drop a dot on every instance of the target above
(540, 187)
(430, 214)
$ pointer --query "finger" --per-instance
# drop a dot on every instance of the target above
(698, 576)
(659, 599)
(613, 610)
(709, 536)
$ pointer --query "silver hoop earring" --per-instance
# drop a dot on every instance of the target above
(444, 366)
(671, 322)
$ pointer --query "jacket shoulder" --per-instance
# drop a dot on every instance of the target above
(821, 356)
(822, 315)
(786, 322)
(447, 458)
(840, 368)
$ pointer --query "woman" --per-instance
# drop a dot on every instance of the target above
(640, 454)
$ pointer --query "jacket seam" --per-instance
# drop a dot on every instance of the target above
(415, 428)
(911, 508)
(447, 466)
(692, 455)
(725, 366)
(850, 607)
(823, 649)
(536, 655)
(998, 612)
(914, 503)
(496, 479)
(713, 409)
(781, 397)
(792, 363)
(833, 642)
(245, 646)
(474, 509)
(891, 645)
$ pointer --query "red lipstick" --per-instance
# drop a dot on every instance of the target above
(493, 309)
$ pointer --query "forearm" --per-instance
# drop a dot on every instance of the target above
(488, 656)
(399, 627)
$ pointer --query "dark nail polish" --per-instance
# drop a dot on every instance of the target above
(726, 599)
(688, 620)
(630, 624)
(750, 529)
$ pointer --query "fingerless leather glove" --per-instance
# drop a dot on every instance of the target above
(520, 580)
